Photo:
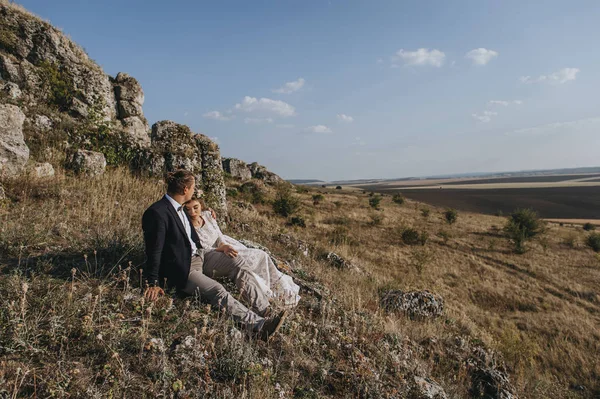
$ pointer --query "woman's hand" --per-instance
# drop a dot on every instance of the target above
(152, 293)
(228, 250)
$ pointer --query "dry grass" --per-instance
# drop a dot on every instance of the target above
(88, 332)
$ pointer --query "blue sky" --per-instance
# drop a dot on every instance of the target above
(360, 89)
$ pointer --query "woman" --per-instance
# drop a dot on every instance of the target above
(274, 283)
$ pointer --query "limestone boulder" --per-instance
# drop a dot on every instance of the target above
(137, 130)
(89, 163)
(14, 153)
(237, 168)
(415, 304)
(129, 96)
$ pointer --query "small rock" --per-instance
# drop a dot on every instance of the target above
(426, 388)
(11, 89)
(42, 170)
(491, 383)
(2, 194)
(294, 243)
(339, 262)
(416, 304)
(90, 163)
(42, 123)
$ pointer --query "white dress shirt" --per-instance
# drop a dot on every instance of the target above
(184, 219)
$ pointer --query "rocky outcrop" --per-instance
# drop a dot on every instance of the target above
(39, 58)
(14, 153)
(175, 146)
(130, 99)
(237, 168)
(415, 304)
(88, 163)
(260, 172)
(240, 170)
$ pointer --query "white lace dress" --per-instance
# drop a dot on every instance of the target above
(275, 284)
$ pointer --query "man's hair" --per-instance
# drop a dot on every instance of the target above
(178, 180)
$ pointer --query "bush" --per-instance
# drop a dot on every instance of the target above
(375, 201)
(232, 192)
(570, 240)
(589, 227)
(425, 212)
(451, 215)
(301, 189)
(317, 198)
(338, 187)
(376, 219)
(522, 225)
(285, 204)
(59, 84)
(444, 235)
(339, 236)
(593, 241)
(398, 199)
(297, 221)
(411, 236)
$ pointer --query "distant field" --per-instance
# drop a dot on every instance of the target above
(553, 197)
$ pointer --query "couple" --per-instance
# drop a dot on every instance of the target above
(177, 256)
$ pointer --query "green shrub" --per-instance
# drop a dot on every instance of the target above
(522, 225)
(232, 192)
(59, 84)
(398, 199)
(411, 236)
(338, 187)
(375, 201)
(301, 189)
(589, 227)
(451, 215)
(444, 235)
(339, 236)
(593, 241)
(285, 203)
(376, 219)
(317, 198)
(425, 212)
(297, 221)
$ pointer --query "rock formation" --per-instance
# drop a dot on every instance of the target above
(239, 169)
(14, 153)
(49, 82)
(416, 304)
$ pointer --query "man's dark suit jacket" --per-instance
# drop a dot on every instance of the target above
(168, 249)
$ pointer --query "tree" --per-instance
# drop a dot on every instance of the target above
(523, 225)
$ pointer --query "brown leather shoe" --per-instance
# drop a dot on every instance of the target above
(272, 325)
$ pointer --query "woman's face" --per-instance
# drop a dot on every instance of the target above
(193, 208)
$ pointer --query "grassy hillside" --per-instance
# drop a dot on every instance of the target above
(73, 322)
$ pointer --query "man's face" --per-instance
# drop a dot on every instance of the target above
(189, 191)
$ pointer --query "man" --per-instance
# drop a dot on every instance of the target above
(174, 256)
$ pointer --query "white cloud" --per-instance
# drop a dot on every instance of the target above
(563, 76)
(216, 115)
(266, 105)
(422, 56)
(379, 60)
(319, 129)
(345, 118)
(481, 56)
(484, 117)
(505, 103)
(256, 121)
(290, 87)
(560, 128)
(284, 126)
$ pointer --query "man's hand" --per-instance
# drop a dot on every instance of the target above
(152, 293)
(213, 213)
